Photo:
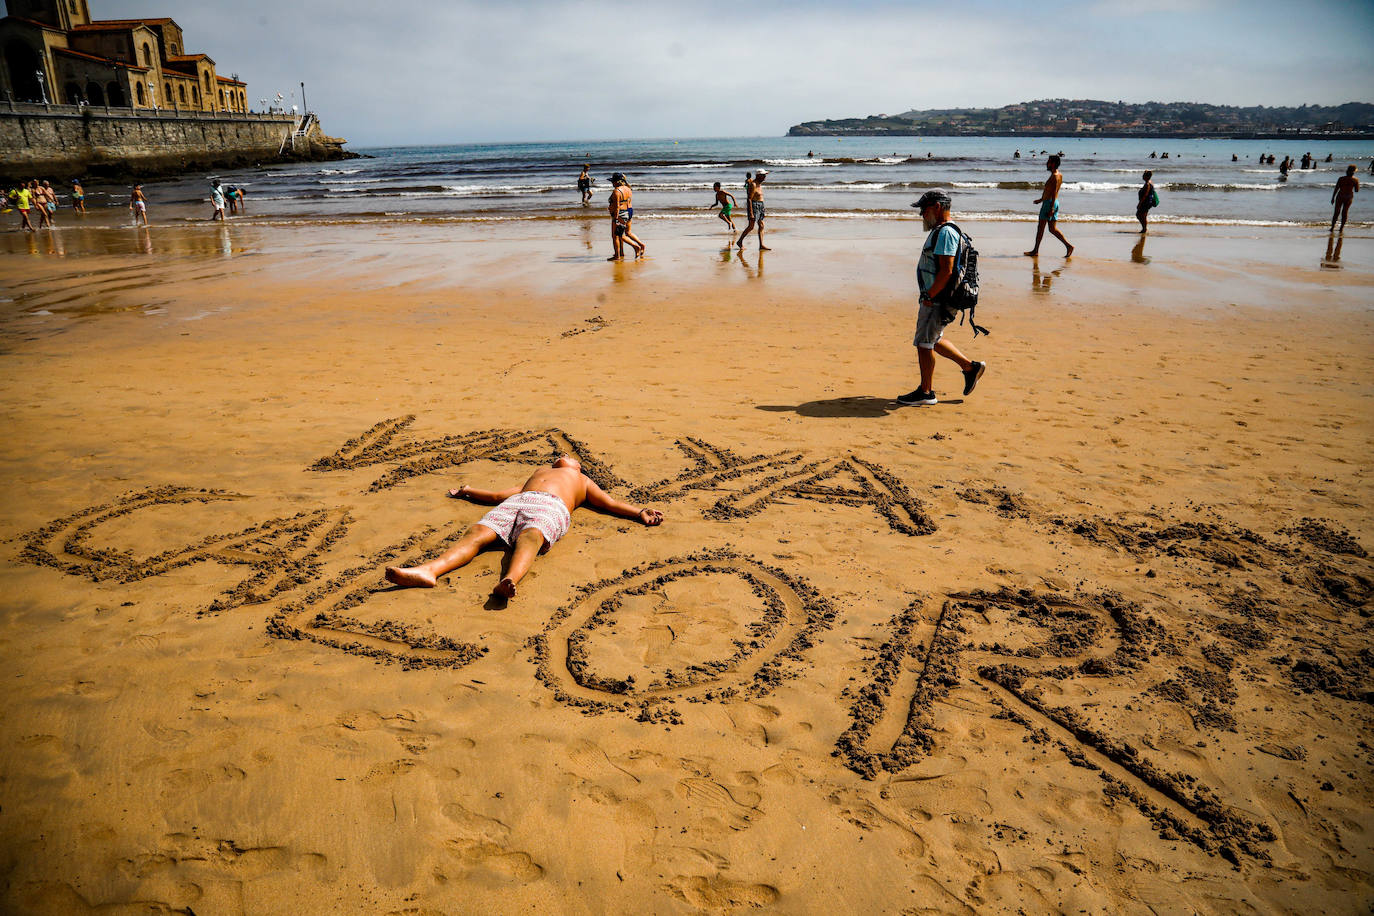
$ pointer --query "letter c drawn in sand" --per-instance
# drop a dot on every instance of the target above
(750, 660)
(282, 552)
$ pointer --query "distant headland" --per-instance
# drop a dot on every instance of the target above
(1077, 117)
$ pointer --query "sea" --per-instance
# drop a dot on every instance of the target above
(1207, 182)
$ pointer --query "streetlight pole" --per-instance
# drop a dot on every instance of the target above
(304, 107)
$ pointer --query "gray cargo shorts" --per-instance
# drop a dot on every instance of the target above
(930, 326)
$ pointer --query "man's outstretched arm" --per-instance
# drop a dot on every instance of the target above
(486, 497)
(598, 498)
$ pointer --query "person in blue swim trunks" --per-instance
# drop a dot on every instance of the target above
(1049, 208)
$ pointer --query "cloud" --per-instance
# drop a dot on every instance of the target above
(435, 71)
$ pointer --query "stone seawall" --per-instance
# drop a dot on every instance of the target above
(67, 141)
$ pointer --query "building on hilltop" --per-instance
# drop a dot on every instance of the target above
(51, 51)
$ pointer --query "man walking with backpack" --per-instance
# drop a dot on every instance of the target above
(935, 274)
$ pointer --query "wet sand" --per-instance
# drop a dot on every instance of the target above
(1094, 638)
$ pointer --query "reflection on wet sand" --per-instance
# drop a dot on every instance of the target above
(93, 242)
(754, 273)
(1138, 252)
(1332, 261)
(1041, 281)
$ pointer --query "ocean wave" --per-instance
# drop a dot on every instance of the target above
(1206, 186)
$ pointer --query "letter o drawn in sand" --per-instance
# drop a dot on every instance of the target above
(700, 628)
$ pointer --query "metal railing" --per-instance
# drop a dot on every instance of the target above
(10, 106)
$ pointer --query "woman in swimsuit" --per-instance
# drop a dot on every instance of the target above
(1143, 204)
(622, 213)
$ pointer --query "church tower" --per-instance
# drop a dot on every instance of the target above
(60, 14)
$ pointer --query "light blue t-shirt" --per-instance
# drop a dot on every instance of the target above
(942, 240)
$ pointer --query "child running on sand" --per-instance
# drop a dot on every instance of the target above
(726, 201)
(529, 520)
(138, 205)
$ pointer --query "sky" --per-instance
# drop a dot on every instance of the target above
(459, 71)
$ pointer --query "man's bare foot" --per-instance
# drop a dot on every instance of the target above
(616, 257)
(1033, 254)
(505, 588)
(764, 248)
(409, 577)
(1068, 253)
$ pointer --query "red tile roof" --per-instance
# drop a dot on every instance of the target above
(114, 26)
(104, 60)
(128, 22)
(34, 22)
(225, 79)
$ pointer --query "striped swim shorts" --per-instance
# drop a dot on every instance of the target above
(544, 512)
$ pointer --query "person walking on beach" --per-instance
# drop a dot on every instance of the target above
(754, 193)
(23, 202)
(1145, 200)
(138, 205)
(1049, 208)
(527, 520)
(934, 276)
(78, 196)
(40, 203)
(1284, 166)
(1343, 195)
(50, 196)
(584, 184)
(217, 201)
(622, 214)
(726, 201)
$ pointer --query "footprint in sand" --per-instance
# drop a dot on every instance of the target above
(717, 893)
(512, 864)
(720, 802)
(390, 770)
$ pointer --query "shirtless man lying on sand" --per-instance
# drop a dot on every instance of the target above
(529, 520)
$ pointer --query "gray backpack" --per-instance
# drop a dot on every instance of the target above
(960, 296)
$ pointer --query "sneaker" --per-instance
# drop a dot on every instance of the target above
(972, 376)
(918, 398)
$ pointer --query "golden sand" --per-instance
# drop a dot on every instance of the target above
(1094, 638)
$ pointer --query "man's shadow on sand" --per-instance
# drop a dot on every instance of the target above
(864, 406)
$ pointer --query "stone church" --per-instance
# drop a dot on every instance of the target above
(51, 51)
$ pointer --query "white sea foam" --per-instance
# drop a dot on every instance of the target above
(798, 163)
(974, 184)
(1095, 186)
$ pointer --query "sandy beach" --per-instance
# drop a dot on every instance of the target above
(1095, 638)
